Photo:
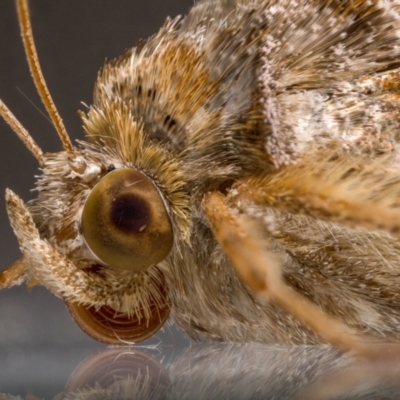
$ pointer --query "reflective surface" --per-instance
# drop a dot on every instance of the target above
(200, 371)
(42, 353)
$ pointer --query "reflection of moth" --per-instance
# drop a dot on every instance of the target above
(240, 172)
(118, 374)
(226, 371)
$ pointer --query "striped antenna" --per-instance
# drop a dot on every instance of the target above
(37, 75)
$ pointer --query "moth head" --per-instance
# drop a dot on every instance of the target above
(106, 223)
(99, 237)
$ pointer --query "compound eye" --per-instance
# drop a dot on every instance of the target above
(125, 223)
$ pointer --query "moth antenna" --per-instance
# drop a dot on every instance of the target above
(37, 75)
(21, 132)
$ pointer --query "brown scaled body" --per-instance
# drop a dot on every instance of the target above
(270, 132)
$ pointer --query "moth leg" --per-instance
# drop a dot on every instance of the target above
(260, 269)
(14, 274)
(336, 188)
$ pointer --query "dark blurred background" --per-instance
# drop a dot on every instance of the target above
(73, 39)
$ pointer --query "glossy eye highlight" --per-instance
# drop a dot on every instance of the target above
(125, 222)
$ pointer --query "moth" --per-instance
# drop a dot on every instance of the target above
(240, 176)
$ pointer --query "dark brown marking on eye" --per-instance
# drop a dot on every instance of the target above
(130, 213)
